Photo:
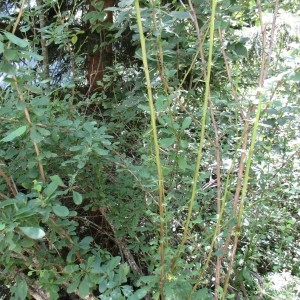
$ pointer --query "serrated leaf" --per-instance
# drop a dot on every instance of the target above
(60, 210)
(16, 40)
(16, 133)
(77, 198)
(33, 232)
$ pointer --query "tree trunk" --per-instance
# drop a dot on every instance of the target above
(99, 53)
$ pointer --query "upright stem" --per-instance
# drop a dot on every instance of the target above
(46, 71)
(202, 135)
(26, 111)
(156, 145)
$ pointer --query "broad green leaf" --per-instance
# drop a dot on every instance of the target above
(57, 180)
(16, 40)
(1, 47)
(40, 101)
(126, 290)
(295, 76)
(33, 55)
(182, 163)
(167, 142)
(10, 54)
(218, 252)
(85, 242)
(139, 294)
(77, 198)
(84, 287)
(2, 226)
(202, 294)
(8, 68)
(8, 202)
(186, 123)
(36, 136)
(76, 148)
(123, 271)
(16, 133)
(43, 131)
(180, 14)
(73, 286)
(100, 151)
(113, 263)
(51, 188)
(60, 210)
(161, 103)
(102, 285)
(125, 3)
(33, 232)
(20, 290)
(33, 89)
(74, 39)
(144, 107)
(240, 49)
(246, 273)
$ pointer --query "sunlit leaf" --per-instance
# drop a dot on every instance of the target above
(186, 123)
(51, 188)
(33, 232)
(16, 40)
(16, 133)
(60, 210)
(167, 142)
(84, 287)
(74, 39)
(77, 198)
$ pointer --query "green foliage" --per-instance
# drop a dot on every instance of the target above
(85, 206)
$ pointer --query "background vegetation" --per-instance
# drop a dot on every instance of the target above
(149, 149)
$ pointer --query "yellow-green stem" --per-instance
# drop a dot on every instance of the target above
(244, 191)
(202, 135)
(156, 145)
